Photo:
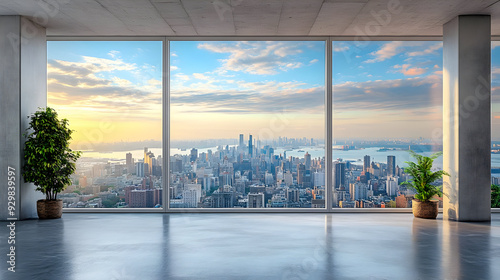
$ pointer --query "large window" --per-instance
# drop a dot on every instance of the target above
(495, 120)
(247, 124)
(244, 121)
(111, 93)
(387, 99)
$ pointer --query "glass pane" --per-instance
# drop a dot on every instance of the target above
(387, 99)
(247, 124)
(495, 124)
(111, 93)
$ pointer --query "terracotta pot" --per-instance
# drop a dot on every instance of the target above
(424, 209)
(49, 209)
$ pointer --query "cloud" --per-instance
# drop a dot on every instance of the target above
(408, 71)
(91, 85)
(313, 61)
(113, 54)
(250, 97)
(388, 50)
(340, 47)
(258, 58)
(430, 50)
(400, 94)
(181, 77)
(391, 49)
(495, 70)
(200, 76)
(173, 68)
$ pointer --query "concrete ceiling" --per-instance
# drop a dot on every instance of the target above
(248, 17)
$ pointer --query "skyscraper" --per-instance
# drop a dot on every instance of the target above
(366, 163)
(391, 166)
(193, 155)
(148, 162)
(307, 160)
(339, 175)
(242, 143)
(250, 146)
(301, 172)
(129, 163)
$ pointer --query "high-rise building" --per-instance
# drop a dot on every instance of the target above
(139, 169)
(129, 162)
(148, 162)
(339, 175)
(392, 186)
(142, 198)
(193, 155)
(242, 143)
(366, 163)
(319, 179)
(301, 172)
(358, 191)
(191, 195)
(391, 166)
(250, 146)
(255, 200)
(288, 178)
(224, 197)
(307, 161)
(293, 195)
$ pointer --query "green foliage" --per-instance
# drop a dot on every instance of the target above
(423, 177)
(495, 196)
(48, 160)
(111, 202)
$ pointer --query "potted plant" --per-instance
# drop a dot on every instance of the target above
(495, 196)
(422, 181)
(48, 160)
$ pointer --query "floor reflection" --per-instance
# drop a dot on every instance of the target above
(467, 250)
(426, 248)
(255, 246)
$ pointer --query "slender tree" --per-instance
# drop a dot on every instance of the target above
(48, 160)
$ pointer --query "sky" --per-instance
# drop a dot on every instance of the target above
(112, 91)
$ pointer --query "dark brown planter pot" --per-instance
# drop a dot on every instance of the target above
(49, 209)
(424, 209)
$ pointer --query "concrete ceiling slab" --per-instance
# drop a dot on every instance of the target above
(248, 18)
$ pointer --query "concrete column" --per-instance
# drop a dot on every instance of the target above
(23, 88)
(467, 118)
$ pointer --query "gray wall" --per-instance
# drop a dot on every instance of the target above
(467, 118)
(23, 88)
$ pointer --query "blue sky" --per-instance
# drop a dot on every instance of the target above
(269, 89)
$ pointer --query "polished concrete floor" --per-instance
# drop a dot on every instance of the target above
(252, 246)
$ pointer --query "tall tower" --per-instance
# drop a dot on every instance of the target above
(391, 166)
(242, 143)
(250, 146)
(301, 172)
(366, 163)
(148, 162)
(307, 160)
(193, 155)
(339, 175)
(129, 163)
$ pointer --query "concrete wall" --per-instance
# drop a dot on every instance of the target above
(23, 88)
(467, 118)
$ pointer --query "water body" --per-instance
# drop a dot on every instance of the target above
(356, 156)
